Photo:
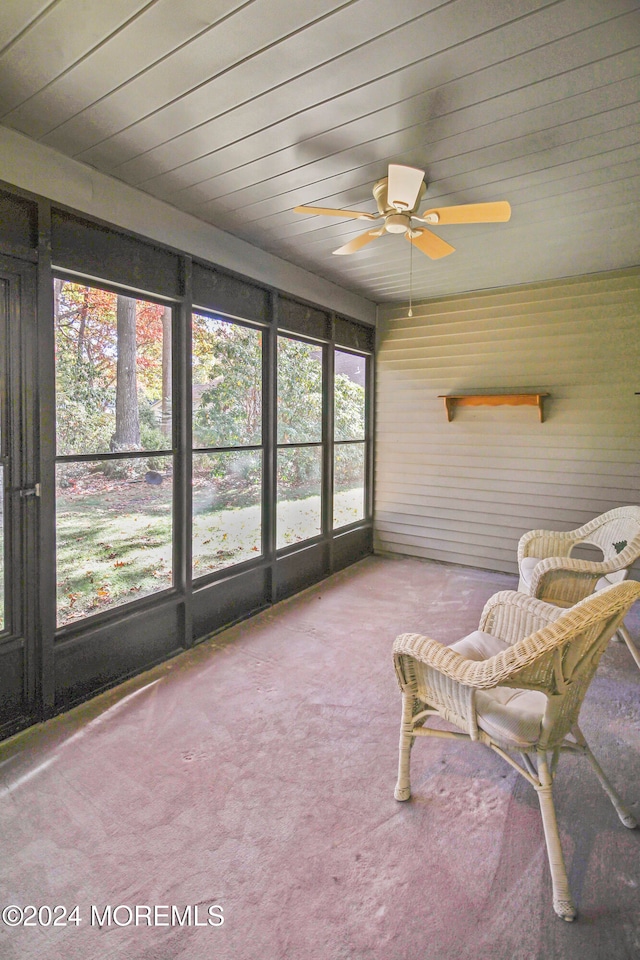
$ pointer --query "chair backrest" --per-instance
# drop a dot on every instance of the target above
(564, 671)
(613, 531)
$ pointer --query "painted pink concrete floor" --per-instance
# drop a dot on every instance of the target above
(256, 773)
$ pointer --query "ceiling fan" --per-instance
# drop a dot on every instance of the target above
(398, 197)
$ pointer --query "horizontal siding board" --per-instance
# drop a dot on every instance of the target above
(464, 491)
(570, 288)
(462, 527)
(512, 469)
(447, 552)
(491, 307)
(479, 500)
(479, 513)
(546, 506)
(570, 325)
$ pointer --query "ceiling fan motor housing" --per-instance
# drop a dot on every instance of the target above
(397, 222)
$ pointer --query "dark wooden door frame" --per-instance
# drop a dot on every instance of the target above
(20, 680)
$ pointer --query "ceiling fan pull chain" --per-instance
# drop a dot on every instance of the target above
(410, 314)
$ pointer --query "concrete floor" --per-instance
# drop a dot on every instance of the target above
(256, 772)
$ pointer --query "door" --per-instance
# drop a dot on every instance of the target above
(19, 497)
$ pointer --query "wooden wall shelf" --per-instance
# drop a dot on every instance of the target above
(493, 400)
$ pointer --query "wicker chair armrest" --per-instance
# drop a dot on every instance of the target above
(427, 651)
(438, 658)
(566, 580)
(479, 674)
(504, 666)
(547, 543)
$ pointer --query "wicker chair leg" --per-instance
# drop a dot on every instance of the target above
(562, 902)
(633, 650)
(403, 786)
(626, 817)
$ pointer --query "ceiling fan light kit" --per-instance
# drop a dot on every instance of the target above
(397, 223)
(398, 197)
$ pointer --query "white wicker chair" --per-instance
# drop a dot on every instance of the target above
(549, 572)
(516, 685)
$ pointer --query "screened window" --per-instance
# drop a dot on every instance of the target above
(3, 444)
(349, 453)
(227, 437)
(299, 431)
(115, 456)
(114, 469)
(2, 548)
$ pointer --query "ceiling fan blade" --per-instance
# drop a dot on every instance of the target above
(496, 212)
(403, 186)
(434, 246)
(330, 212)
(360, 241)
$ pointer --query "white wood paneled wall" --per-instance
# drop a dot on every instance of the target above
(465, 491)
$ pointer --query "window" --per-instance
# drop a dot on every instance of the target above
(227, 436)
(349, 452)
(299, 423)
(165, 469)
(3, 454)
(114, 463)
(2, 547)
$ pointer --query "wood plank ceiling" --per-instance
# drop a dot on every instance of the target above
(237, 111)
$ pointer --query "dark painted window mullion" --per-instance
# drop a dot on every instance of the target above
(182, 442)
(328, 435)
(122, 455)
(47, 473)
(269, 439)
(369, 437)
(253, 448)
(296, 446)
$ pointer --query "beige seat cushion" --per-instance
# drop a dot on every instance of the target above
(479, 646)
(509, 715)
(610, 578)
(527, 565)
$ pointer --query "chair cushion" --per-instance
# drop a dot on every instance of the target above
(610, 578)
(479, 646)
(509, 715)
(527, 565)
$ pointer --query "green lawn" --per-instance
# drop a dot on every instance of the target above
(114, 544)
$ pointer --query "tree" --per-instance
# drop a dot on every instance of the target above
(228, 365)
(127, 432)
(85, 319)
(228, 368)
(166, 372)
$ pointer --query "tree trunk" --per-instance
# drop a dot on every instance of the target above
(166, 372)
(83, 323)
(127, 435)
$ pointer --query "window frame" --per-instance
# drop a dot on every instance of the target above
(366, 441)
(326, 348)
(212, 576)
(64, 630)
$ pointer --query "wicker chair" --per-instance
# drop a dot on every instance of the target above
(516, 685)
(549, 572)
